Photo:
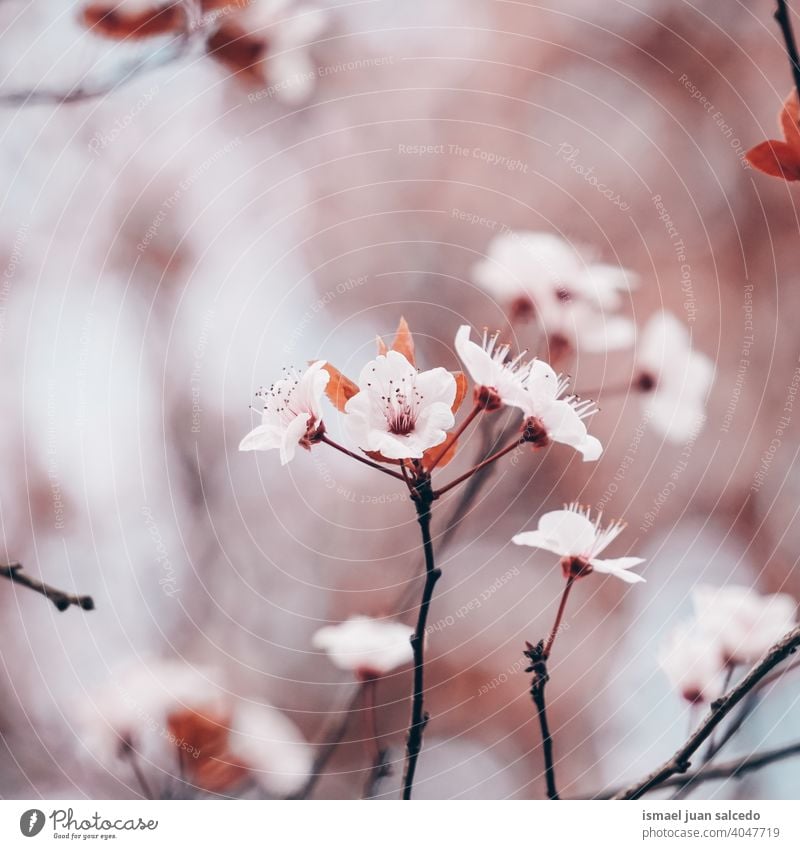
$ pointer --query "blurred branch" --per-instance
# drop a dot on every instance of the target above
(679, 763)
(179, 46)
(59, 598)
(730, 769)
(785, 23)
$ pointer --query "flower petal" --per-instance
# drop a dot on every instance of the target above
(618, 567)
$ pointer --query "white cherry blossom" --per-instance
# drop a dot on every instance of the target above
(292, 412)
(674, 378)
(368, 647)
(400, 412)
(554, 416)
(578, 541)
(492, 368)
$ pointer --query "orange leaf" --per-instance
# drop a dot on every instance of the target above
(112, 20)
(382, 349)
(404, 341)
(461, 390)
(790, 121)
(432, 453)
(340, 389)
(775, 158)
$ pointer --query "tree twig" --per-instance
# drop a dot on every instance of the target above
(680, 762)
(62, 600)
(538, 658)
(785, 23)
(419, 717)
(729, 769)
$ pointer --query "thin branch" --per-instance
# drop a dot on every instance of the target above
(419, 718)
(536, 654)
(548, 646)
(62, 600)
(782, 16)
(680, 762)
(482, 465)
(328, 441)
(729, 769)
(448, 443)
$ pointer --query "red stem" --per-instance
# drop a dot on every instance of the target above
(496, 456)
(453, 437)
(548, 646)
(328, 441)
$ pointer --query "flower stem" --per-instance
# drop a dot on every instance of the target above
(328, 441)
(496, 456)
(548, 646)
(419, 718)
(785, 23)
(448, 444)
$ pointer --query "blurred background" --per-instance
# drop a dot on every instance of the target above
(177, 228)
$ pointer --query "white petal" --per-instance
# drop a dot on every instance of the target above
(572, 533)
(619, 567)
(262, 438)
(536, 539)
(437, 386)
(295, 431)
(478, 363)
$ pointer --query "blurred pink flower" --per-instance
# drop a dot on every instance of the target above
(578, 540)
(692, 660)
(573, 299)
(674, 378)
(400, 412)
(292, 413)
(744, 623)
(368, 647)
(175, 720)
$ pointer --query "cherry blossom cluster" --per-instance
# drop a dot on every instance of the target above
(578, 302)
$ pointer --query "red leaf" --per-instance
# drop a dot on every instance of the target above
(432, 453)
(114, 21)
(404, 341)
(789, 118)
(461, 390)
(775, 158)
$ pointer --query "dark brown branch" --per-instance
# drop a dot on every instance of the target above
(62, 600)
(536, 654)
(680, 762)
(729, 769)
(419, 718)
(785, 23)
